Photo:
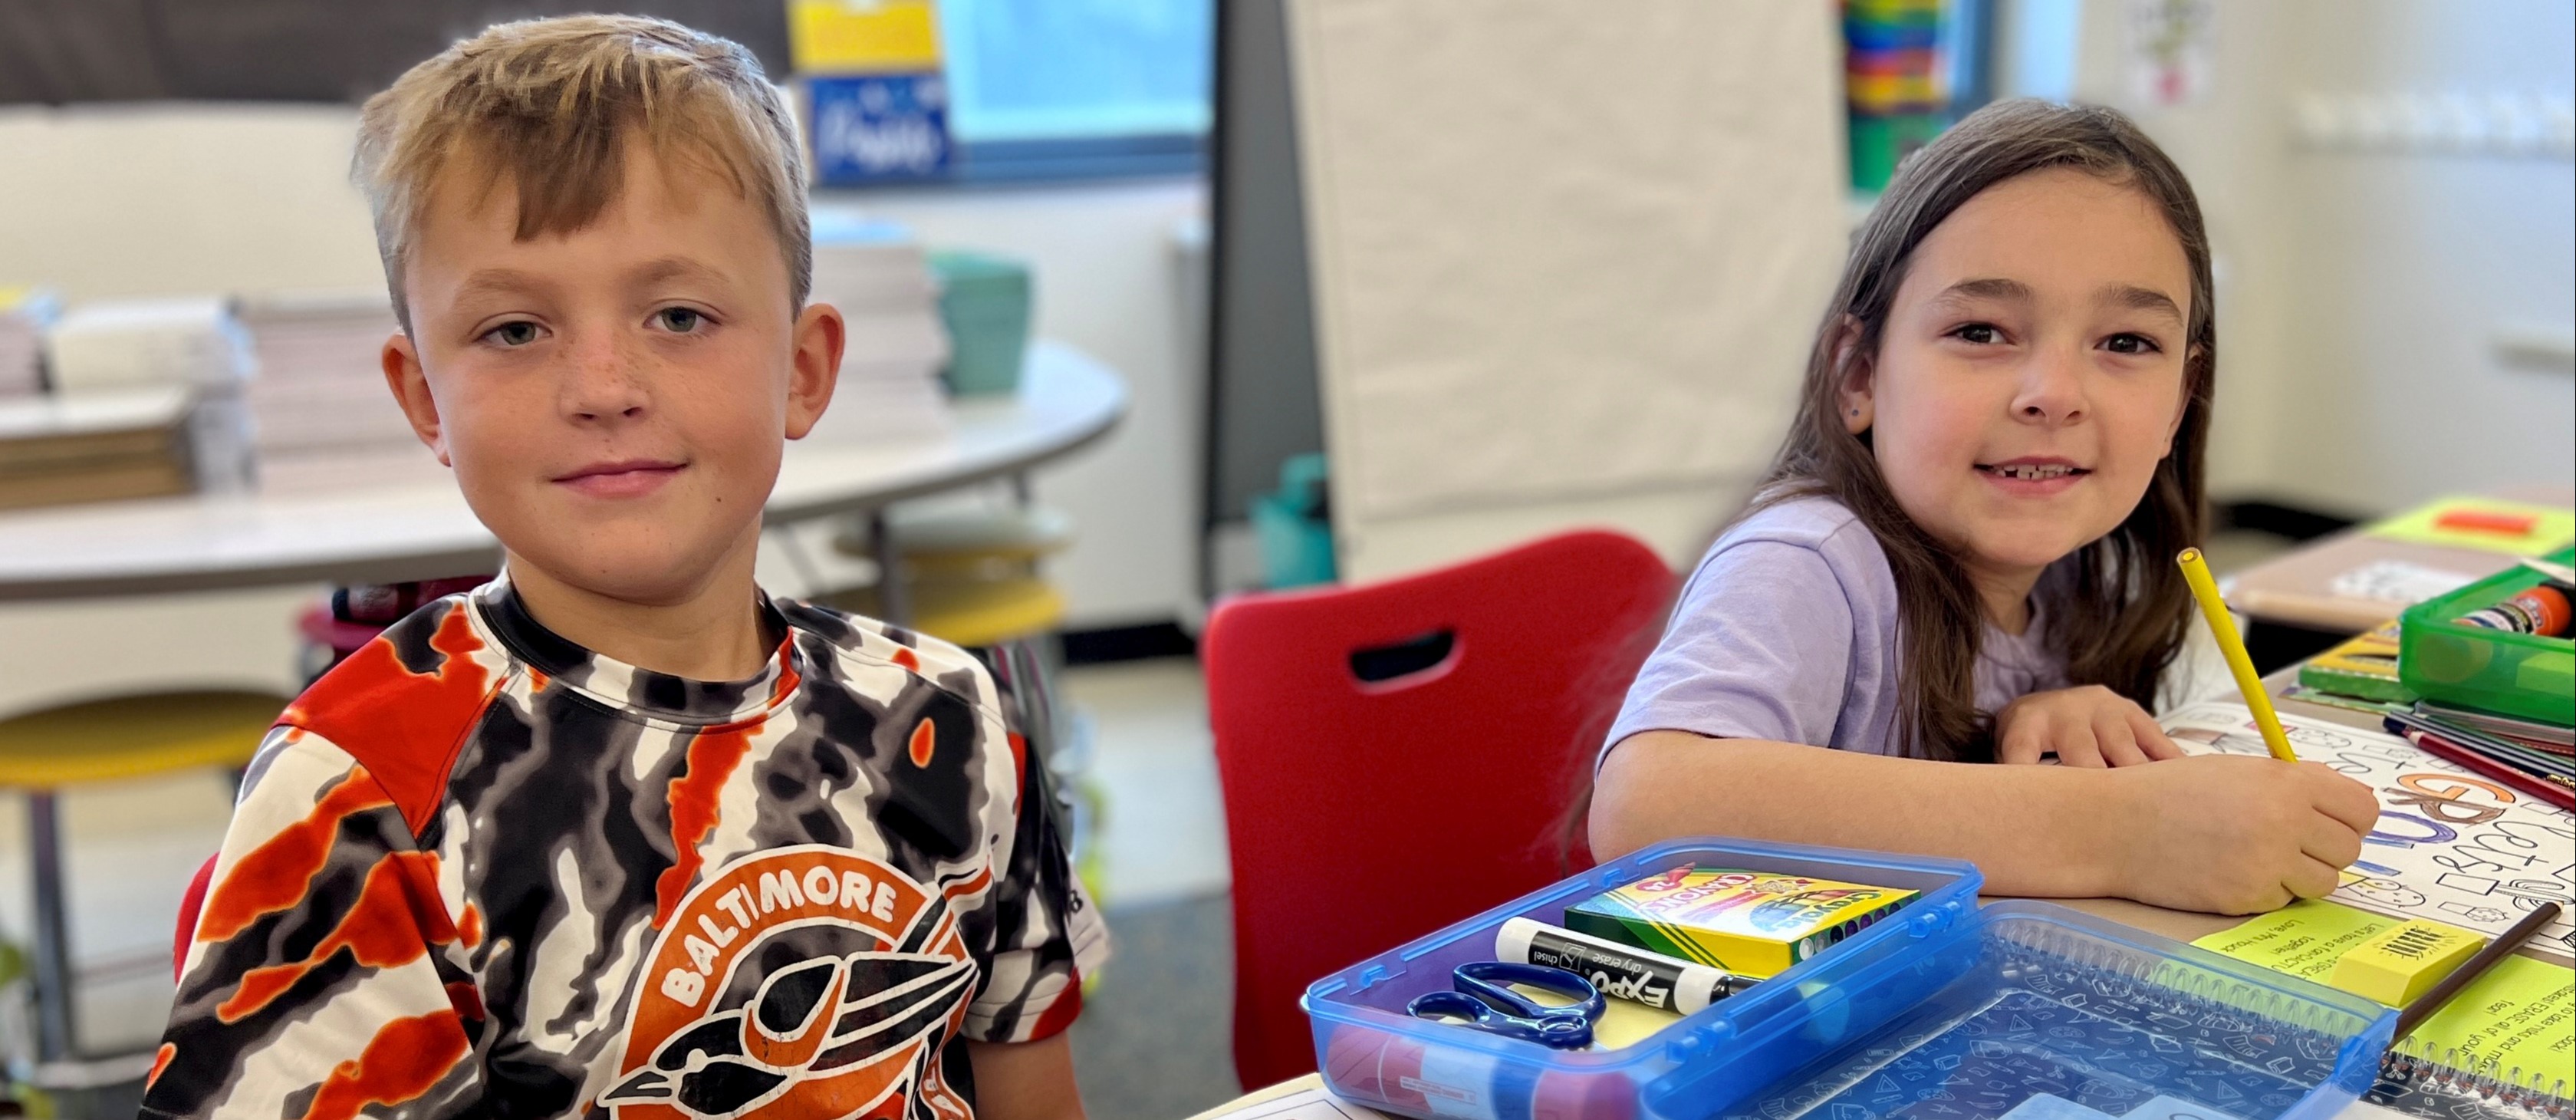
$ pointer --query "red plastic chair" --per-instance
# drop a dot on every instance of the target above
(1366, 812)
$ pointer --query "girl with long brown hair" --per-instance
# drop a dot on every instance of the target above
(1964, 554)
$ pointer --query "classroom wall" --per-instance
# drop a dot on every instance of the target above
(137, 200)
(2393, 316)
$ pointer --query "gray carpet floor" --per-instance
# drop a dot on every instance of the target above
(1156, 1037)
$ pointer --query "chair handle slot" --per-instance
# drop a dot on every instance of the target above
(1407, 661)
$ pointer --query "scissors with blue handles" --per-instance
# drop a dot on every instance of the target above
(1482, 998)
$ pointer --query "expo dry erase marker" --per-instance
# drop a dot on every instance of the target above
(1622, 971)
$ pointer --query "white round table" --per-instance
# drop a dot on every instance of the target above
(397, 516)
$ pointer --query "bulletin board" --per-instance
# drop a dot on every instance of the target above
(1565, 257)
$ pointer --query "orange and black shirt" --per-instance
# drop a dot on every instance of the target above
(478, 870)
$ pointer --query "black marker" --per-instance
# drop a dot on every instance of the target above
(1620, 971)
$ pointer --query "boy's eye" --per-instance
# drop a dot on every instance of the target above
(1978, 334)
(678, 320)
(518, 332)
(2126, 343)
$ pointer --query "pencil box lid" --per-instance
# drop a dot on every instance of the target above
(1370, 1052)
(1943, 1012)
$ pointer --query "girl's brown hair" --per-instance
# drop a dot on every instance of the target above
(2120, 620)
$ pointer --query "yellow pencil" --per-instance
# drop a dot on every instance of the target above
(2196, 573)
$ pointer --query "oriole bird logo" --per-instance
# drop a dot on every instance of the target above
(822, 1038)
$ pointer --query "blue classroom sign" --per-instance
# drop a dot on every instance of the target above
(875, 127)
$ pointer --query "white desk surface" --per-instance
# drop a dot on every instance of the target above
(397, 515)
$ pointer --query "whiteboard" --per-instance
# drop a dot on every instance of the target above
(1567, 257)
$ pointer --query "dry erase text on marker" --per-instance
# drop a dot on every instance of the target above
(1637, 989)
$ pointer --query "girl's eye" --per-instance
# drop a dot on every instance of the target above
(679, 320)
(2126, 343)
(1978, 334)
(515, 333)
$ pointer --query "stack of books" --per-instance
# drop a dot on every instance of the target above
(133, 343)
(879, 278)
(93, 447)
(146, 347)
(321, 386)
(24, 315)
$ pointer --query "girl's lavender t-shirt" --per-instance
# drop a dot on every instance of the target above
(1787, 632)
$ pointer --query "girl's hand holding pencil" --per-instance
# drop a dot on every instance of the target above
(2228, 834)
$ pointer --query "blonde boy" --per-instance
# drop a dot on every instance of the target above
(617, 834)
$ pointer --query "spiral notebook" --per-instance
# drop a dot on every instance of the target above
(2504, 1048)
(2501, 1050)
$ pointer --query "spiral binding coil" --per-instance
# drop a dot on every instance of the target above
(2179, 988)
(2452, 1070)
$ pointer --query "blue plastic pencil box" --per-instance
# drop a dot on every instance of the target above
(1945, 1011)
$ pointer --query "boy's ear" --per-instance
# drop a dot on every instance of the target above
(1854, 385)
(815, 368)
(401, 361)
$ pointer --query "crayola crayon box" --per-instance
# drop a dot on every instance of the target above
(1750, 923)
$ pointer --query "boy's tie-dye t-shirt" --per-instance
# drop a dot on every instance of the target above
(477, 870)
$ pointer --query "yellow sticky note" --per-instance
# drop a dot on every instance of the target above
(2401, 962)
(2304, 939)
(862, 36)
(2522, 1013)
(2551, 527)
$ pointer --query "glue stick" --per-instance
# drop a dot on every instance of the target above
(1620, 971)
(2542, 610)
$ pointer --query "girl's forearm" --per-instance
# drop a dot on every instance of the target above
(2041, 831)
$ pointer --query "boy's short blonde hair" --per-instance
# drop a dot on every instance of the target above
(551, 104)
